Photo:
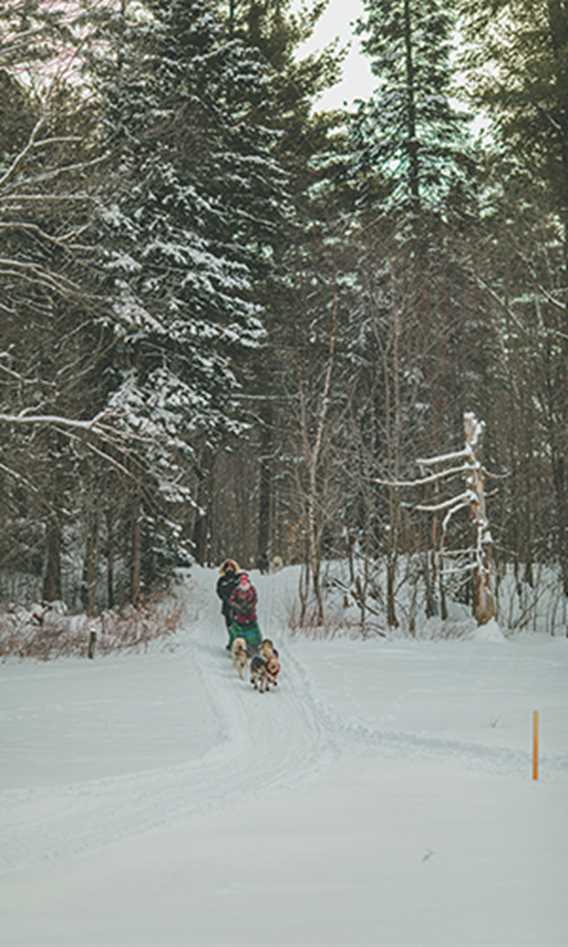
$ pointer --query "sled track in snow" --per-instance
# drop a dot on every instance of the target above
(263, 743)
(399, 743)
(267, 741)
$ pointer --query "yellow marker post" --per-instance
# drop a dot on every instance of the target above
(536, 723)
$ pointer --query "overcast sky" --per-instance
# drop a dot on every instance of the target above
(357, 81)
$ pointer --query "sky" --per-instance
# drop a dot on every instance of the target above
(357, 80)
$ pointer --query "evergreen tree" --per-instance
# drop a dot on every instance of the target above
(275, 29)
(518, 64)
(196, 201)
(518, 70)
(410, 135)
(412, 324)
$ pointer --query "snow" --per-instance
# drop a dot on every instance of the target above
(381, 795)
(489, 632)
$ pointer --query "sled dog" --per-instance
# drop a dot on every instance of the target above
(266, 649)
(272, 671)
(265, 667)
(257, 675)
(240, 656)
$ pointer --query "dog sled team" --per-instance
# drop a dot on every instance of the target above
(245, 644)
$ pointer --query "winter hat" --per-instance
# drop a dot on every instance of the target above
(229, 565)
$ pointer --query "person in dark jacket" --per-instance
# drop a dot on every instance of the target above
(226, 585)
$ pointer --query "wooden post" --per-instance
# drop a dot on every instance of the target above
(92, 643)
(535, 734)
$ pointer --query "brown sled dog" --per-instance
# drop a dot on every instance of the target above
(265, 667)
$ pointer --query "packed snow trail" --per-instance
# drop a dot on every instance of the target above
(150, 739)
(256, 742)
(380, 795)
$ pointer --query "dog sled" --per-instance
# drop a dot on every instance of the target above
(250, 633)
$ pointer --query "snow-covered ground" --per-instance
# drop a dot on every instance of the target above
(382, 795)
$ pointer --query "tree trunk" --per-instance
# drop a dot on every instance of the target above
(201, 529)
(312, 459)
(109, 559)
(484, 600)
(89, 578)
(263, 546)
(304, 590)
(412, 141)
(561, 497)
(442, 590)
(52, 579)
(430, 607)
(392, 620)
(314, 550)
(558, 26)
(135, 554)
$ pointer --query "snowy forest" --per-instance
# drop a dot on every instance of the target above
(234, 324)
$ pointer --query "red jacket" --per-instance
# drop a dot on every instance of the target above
(242, 603)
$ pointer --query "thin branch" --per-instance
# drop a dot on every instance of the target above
(431, 478)
(19, 477)
(54, 420)
(462, 499)
(450, 513)
(444, 458)
(23, 153)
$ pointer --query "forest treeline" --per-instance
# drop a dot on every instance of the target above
(226, 314)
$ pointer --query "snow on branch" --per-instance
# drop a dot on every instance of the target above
(464, 499)
(444, 458)
(472, 498)
(431, 478)
(54, 419)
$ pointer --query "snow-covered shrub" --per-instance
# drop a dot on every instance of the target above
(43, 633)
(134, 628)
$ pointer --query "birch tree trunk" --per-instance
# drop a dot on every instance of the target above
(484, 600)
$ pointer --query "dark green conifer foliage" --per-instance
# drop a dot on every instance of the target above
(187, 226)
(518, 62)
(410, 135)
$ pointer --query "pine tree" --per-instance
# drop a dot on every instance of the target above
(518, 65)
(196, 200)
(412, 169)
(518, 72)
(410, 136)
(275, 29)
